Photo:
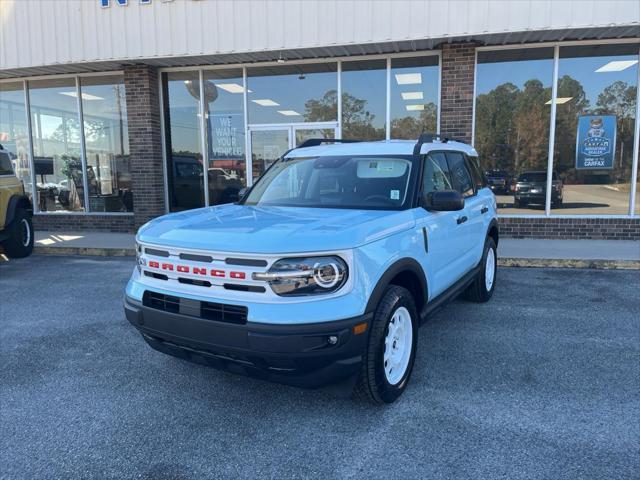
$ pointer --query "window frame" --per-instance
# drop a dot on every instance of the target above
(557, 45)
(32, 179)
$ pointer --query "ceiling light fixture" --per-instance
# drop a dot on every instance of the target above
(266, 102)
(414, 107)
(85, 96)
(231, 87)
(288, 112)
(616, 66)
(560, 100)
(408, 78)
(412, 95)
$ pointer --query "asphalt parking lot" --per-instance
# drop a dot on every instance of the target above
(542, 382)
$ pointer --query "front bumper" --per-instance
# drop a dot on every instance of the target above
(503, 189)
(538, 197)
(294, 354)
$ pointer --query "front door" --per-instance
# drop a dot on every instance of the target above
(441, 258)
(268, 143)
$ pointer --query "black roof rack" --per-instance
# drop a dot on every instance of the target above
(429, 137)
(314, 142)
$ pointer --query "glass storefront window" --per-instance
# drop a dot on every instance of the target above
(56, 145)
(364, 93)
(225, 134)
(512, 116)
(106, 136)
(181, 94)
(414, 96)
(14, 135)
(596, 108)
(292, 93)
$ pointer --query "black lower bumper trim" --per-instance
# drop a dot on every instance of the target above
(306, 355)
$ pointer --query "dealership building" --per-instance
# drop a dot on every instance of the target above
(116, 111)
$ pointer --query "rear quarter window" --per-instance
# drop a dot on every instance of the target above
(476, 174)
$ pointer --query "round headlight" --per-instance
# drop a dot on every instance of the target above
(326, 275)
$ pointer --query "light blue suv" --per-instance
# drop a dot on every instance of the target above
(324, 269)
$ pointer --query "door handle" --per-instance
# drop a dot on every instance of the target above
(484, 210)
(462, 219)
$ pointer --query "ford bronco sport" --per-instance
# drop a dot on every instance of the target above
(16, 229)
(325, 268)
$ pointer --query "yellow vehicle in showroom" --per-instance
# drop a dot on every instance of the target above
(16, 228)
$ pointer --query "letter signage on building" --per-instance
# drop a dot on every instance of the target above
(124, 3)
(596, 142)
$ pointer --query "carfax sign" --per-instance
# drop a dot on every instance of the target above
(596, 142)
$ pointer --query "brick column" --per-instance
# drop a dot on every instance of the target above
(145, 141)
(456, 107)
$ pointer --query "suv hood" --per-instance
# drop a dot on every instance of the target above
(251, 229)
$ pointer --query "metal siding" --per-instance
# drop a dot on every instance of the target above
(43, 32)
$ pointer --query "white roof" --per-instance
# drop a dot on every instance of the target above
(383, 147)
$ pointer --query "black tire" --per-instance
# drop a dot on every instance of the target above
(372, 385)
(20, 241)
(557, 203)
(477, 291)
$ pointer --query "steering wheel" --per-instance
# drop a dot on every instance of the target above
(378, 198)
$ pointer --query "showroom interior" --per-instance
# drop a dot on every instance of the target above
(107, 150)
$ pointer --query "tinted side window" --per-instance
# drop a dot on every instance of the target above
(5, 164)
(436, 173)
(460, 174)
(476, 175)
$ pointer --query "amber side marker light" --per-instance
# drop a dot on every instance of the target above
(360, 328)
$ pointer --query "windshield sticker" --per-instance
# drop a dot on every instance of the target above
(395, 195)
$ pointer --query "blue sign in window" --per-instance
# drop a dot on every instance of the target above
(596, 142)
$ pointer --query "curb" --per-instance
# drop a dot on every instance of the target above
(503, 262)
(570, 263)
(87, 251)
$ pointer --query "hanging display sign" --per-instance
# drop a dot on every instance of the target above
(596, 142)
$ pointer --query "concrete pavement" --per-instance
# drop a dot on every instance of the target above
(539, 383)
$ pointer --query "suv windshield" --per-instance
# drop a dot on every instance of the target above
(358, 182)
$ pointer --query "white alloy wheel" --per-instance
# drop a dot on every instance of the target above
(25, 232)
(490, 270)
(397, 346)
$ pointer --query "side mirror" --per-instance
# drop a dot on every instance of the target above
(444, 201)
(234, 197)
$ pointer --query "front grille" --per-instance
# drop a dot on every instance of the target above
(218, 312)
(156, 252)
(223, 313)
(196, 258)
(159, 301)
(246, 262)
(157, 276)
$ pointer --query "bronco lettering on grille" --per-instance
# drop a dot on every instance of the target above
(196, 270)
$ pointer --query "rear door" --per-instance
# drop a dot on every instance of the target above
(484, 202)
